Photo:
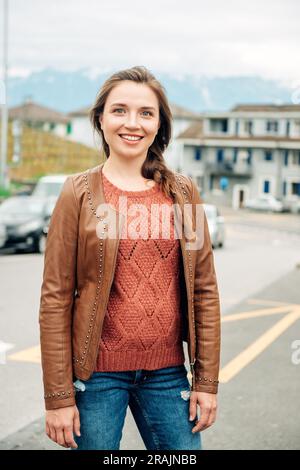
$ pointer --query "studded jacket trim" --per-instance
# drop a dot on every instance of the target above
(79, 268)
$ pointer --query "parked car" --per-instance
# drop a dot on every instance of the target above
(48, 186)
(293, 202)
(296, 207)
(22, 222)
(215, 224)
(265, 202)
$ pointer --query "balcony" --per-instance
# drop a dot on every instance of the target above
(228, 168)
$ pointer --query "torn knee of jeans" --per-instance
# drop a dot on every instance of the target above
(79, 385)
(185, 394)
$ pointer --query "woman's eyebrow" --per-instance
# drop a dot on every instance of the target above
(123, 104)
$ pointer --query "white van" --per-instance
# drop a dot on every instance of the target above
(49, 186)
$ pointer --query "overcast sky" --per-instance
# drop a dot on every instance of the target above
(211, 38)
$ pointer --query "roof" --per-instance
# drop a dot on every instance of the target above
(183, 113)
(81, 112)
(194, 131)
(31, 111)
(266, 107)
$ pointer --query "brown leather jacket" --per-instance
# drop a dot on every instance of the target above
(79, 267)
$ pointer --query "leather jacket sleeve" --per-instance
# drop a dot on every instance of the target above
(206, 312)
(56, 301)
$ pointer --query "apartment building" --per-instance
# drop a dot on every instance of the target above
(243, 153)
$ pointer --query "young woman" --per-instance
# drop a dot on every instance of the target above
(121, 290)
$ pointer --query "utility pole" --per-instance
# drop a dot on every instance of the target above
(4, 106)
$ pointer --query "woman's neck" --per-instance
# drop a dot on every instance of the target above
(126, 177)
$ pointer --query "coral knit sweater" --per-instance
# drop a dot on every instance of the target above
(142, 327)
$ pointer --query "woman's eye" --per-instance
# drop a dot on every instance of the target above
(118, 109)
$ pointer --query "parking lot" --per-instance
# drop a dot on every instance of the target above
(260, 378)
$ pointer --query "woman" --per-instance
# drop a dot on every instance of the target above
(119, 296)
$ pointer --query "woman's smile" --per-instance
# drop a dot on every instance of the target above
(130, 139)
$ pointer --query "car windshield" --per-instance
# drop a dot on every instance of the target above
(45, 189)
(21, 206)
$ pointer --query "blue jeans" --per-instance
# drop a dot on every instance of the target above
(158, 400)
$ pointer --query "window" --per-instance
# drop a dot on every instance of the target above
(220, 155)
(218, 125)
(266, 186)
(197, 153)
(295, 157)
(235, 155)
(272, 126)
(295, 188)
(69, 128)
(248, 126)
(288, 128)
(268, 155)
(224, 125)
(297, 128)
(237, 127)
(286, 157)
(249, 158)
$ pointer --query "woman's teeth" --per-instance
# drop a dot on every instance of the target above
(129, 137)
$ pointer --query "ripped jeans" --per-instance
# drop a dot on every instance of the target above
(158, 400)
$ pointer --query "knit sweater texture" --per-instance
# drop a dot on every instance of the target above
(142, 327)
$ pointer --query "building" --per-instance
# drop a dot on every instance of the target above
(81, 128)
(244, 153)
(40, 118)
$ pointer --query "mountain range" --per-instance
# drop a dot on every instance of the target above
(67, 91)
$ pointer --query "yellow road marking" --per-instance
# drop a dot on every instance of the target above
(266, 302)
(256, 313)
(256, 348)
(27, 355)
(231, 369)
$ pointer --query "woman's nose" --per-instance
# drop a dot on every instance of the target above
(132, 121)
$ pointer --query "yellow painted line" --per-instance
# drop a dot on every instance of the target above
(33, 354)
(266, 302)
(256, 313)
(257, 347)
(27, 355)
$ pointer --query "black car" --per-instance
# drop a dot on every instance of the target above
(24, 221)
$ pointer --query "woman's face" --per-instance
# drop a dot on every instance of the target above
(131, 109)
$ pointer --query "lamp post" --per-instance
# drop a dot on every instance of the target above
(4, 108)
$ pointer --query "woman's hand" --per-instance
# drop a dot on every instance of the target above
(60, 425)
(208, 409)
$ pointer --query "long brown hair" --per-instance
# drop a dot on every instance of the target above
(154, 167)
